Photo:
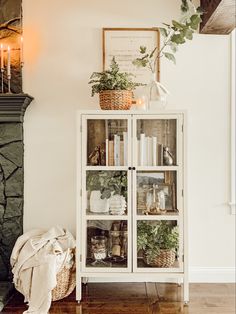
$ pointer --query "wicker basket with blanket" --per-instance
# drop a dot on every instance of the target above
(66, 280)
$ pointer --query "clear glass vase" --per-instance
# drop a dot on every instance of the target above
(157, 94)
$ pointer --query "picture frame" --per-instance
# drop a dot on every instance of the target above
(124, 44)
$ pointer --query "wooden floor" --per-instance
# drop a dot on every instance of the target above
(141, 298)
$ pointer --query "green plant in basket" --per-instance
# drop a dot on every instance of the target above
(112, 79)
(153, 237)
(107, 182)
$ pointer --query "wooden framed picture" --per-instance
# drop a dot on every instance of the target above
(124, 45)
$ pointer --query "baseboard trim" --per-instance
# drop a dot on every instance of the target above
(212, 274)
(196, 275)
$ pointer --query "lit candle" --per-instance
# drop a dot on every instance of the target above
(2, 60)
(8, 61)
(140, 104)
(21, 50)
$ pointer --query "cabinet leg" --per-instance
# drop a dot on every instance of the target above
(78, 289)
(85, 280)
(186, 291)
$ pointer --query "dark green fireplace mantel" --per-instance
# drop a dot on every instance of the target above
(12, 109)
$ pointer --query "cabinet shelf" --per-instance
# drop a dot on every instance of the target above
(157, 168)
(166, 216)
(106, 217)
(110, 168)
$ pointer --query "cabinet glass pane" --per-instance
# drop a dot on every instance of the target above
(157, 244)
(107, 142)
(156, 142)
(156, 192)
(106, 192)
(107, 243)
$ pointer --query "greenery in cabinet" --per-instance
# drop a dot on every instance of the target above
(108, 183)
(154, 237)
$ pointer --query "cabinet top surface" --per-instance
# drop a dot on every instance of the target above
(131, 112)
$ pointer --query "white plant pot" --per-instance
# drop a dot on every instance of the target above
(98, 205)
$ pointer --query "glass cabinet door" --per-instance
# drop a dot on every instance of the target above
(106, 193)
(157, 193)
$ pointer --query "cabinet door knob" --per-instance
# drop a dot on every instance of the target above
(134, 168)
(130, 168)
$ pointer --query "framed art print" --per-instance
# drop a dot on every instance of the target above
(124, 44)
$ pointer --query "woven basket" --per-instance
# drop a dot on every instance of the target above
(66, 282)
(115, 99)
(165, 258)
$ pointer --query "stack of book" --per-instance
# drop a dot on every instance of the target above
(116, 150)
(150, 152)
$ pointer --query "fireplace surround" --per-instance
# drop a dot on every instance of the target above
(12, 109)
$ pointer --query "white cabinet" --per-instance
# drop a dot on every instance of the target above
(131, 208)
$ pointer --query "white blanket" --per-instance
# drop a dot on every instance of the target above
(35, 264)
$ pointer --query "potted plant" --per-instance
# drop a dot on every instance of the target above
(102, 186)
(114, 88)
(159, 242)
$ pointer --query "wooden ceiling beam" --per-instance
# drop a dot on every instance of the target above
(219, 16)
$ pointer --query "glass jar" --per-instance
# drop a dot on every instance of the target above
(99, 248)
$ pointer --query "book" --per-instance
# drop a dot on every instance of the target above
(122, 153)
(107, 152)
(142, 149)
(111, 153)
(125, 153)
(160, 154)
(116, 150)
(154, 151)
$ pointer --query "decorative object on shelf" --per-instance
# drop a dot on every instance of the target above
(97, 204)
(114, 88)
(11, 47)
(99, 249)
(118, 241)
(159, 242)
(152, 201)
(103, 185)
(95, 156)
(173, 34)
(117, 205)
(168, 158)
(162, 200)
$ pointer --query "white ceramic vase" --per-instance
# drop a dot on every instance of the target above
(98, 205)
(157, 94)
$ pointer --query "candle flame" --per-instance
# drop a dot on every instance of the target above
(8, 48)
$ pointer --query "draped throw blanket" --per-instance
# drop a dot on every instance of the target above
(36, 258)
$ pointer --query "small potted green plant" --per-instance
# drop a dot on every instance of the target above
(114, 88)
(158, 241)
(102, 186)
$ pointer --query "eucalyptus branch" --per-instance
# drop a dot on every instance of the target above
(175, 34)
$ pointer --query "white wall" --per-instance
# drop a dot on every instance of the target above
(62, 48)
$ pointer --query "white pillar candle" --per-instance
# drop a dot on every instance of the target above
(2, 57)
(8, 61)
